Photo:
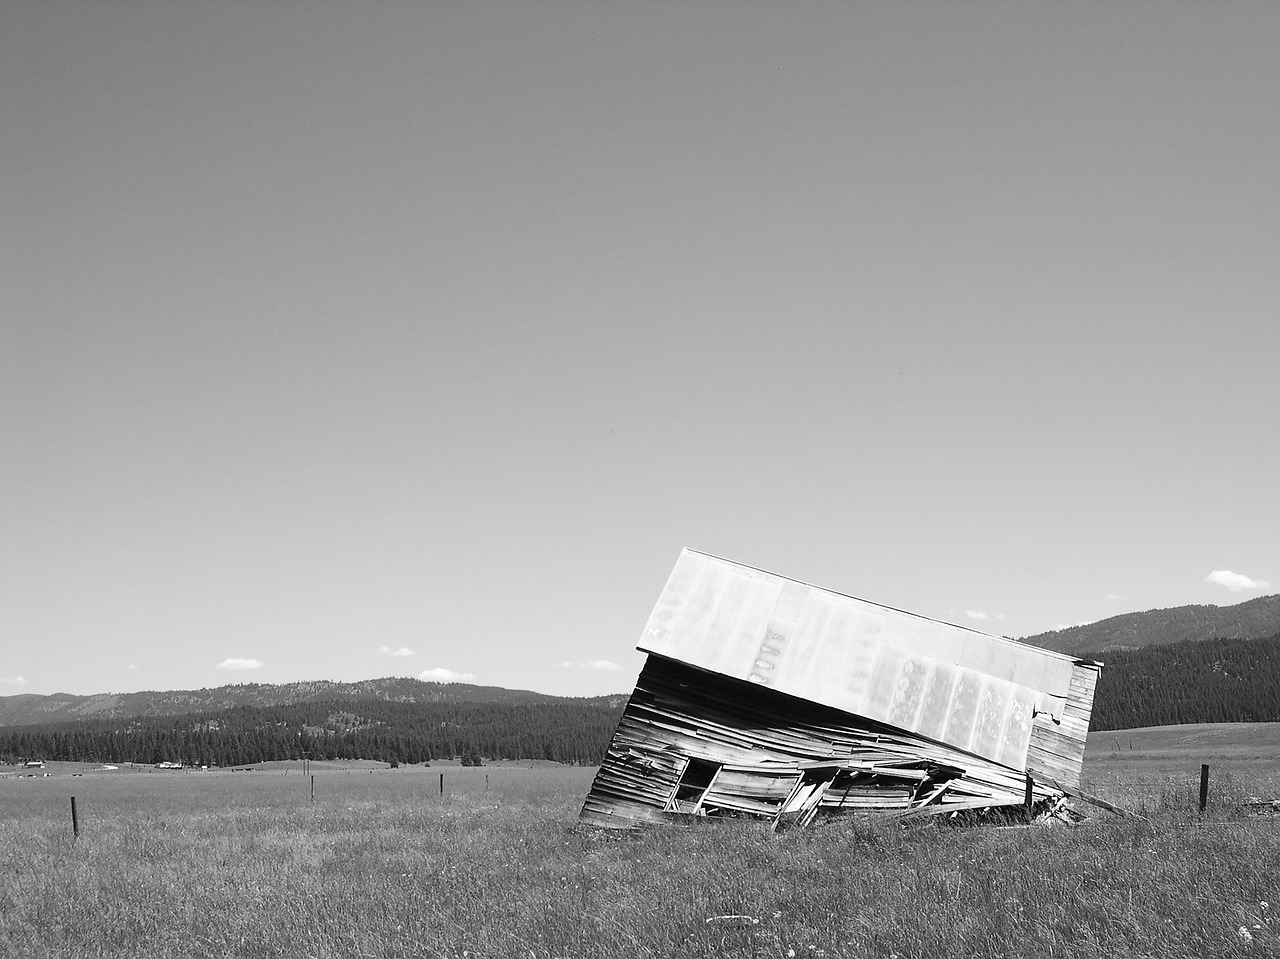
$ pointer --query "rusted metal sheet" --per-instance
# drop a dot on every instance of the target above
(770, 698)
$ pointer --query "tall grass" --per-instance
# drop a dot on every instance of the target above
(244, 865)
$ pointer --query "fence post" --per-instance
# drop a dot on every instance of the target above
(313, 788)
(1204, 786)
(75, 820)
(442, 784)
(1026, 796)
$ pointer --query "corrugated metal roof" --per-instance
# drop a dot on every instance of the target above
(954, 685)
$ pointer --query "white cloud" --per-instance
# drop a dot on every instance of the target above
(1001, 616)
(1235, 581)
(442, 675)
(603, 664)
(234, 663)
(388, 651)
(976, 614)
(15, 681)
(1112, 596)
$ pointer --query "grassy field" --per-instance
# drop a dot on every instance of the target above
(1158, 768)
(244, 864)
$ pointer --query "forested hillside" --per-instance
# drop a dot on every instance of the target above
(29, 709)
(1208, 681)
(1211, 681)
(407, 732)
(1255, 619)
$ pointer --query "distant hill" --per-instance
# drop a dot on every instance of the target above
(29, 709)
(561, 730)
(391, 720)
(1255, 619)
(1190, 664)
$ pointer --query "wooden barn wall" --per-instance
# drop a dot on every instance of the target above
(679, 712)
(1056, 751)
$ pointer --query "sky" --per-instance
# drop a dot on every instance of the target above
(347, 340)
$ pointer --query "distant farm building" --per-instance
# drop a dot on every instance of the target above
(763, 696)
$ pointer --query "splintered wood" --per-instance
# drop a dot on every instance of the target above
(694, 743)
(697, 741)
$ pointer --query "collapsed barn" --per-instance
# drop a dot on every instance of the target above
(766, 697)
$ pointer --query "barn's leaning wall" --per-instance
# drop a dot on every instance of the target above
(678, 713)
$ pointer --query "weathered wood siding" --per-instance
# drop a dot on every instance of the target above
(767, 742)
(1057, 749)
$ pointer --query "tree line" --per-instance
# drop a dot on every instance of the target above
(1202, 681)
(372, 729)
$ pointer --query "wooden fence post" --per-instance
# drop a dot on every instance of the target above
(1204, 786)
(442, 784)
(313, 788)
(75, 820)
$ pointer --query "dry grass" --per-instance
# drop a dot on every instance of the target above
(243, 864)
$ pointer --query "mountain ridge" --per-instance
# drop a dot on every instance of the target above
(30, 709)
(1253, 619)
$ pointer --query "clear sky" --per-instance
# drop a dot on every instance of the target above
(343, 340)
